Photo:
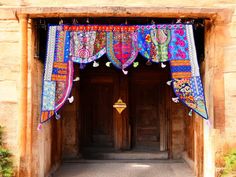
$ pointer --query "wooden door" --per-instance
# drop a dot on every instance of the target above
(148, 108)
(98, 91)
(142, 125)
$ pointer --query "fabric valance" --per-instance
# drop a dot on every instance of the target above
(83, 44)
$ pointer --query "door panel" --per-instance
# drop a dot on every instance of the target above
(142, 125)
(147, 98)
(146, 113)
(97, 98)
(101, 101)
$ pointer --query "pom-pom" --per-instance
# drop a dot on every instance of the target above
(76, 79)
(176, 99)
(125, 72)
(95, 64)
(108, 64)
(169, 82)
(135, 64)
(71, 99)
(163, 65)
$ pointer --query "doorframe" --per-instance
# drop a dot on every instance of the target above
(216, 16)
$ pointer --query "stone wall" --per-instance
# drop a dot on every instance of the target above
(9, 69)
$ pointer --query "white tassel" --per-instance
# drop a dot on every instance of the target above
(169, 82)
(135, 64)
(190, 113)
(108, 64)
(39, 127)
(71, 99)
(76, 79)
(163, 65)
(95, 64)
(176, 99)
(58, 116)
(125, 72)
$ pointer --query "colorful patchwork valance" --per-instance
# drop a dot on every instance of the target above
(86, 43)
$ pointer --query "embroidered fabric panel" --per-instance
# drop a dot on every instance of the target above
(153, 42)
(49, 89)
(58, 75)
(178, 46)
(183, 90)
(122, 48)
(192, 51)
(87, 46)
(50, 52)
(180, 69)
(59, 51)
(185, 70)
(64, 87)
(86, 43)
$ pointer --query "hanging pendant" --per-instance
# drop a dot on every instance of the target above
(108, 64)
(119, 105)
(95, 64)
(135, 64)
(125, 72)
(76, 79)
(71, 99)
(163, 65)
(169, 82)
(176, 99)
(58, 116)
(190, 113)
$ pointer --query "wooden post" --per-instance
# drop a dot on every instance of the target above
(23, 86)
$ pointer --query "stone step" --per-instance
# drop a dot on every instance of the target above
(129, 155)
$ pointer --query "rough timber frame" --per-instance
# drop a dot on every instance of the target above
(213, 73)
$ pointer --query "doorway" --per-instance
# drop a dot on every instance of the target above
(142, 126)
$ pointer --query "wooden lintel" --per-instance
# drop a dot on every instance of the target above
(118, 11)
(121, 11)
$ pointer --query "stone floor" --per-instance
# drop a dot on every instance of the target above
(124, 169)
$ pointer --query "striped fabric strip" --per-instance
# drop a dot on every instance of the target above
(180, 63)
(177, 75)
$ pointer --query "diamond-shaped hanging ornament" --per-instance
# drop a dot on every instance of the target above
(119, 105)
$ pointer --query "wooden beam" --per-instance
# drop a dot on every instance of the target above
(121, 11)
(23, 86)
(118, 11)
